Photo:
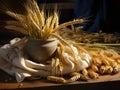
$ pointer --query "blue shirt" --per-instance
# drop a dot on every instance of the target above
(92, 10)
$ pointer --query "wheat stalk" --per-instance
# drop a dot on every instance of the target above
(36, 23)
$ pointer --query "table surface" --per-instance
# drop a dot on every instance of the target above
(109, 82)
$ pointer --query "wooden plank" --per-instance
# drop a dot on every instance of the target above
(68, 5)
(105, 80)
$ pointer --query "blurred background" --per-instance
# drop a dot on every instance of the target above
(67, 8)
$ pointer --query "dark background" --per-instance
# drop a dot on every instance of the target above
(113, 15)
(112, 11)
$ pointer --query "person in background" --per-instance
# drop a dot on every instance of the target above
(92, 10)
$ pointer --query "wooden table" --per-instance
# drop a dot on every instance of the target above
(109, 82)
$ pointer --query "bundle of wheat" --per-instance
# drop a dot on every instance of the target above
(36, 23)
